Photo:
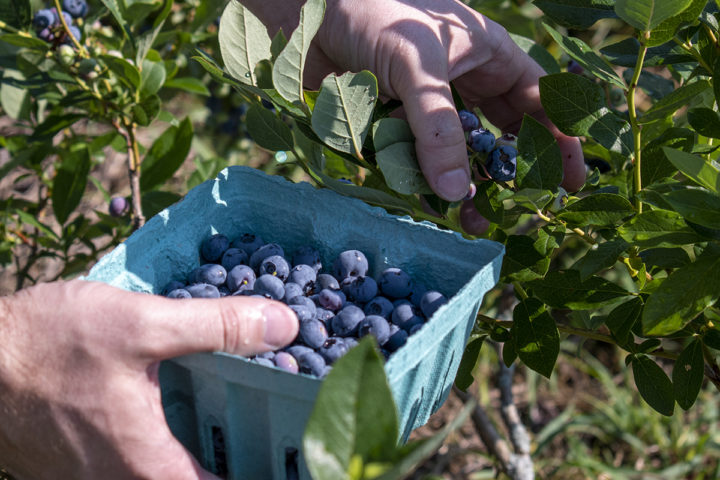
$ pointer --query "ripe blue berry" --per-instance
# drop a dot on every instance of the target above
(234, 257)
(267, 250)
(240, 278)
(263, 361)
(468, 120)
(376, 326)
(46, 34)
(575, 67)
(431, 301)
(119, 206)
(307, 255)
(325, 280)
(178, 293)
(418, 291)
(173, 285)
(211, 273)
(333, 349)
(287, 362)
(203, 290)
(313, 333)
(270, 286)
(502, 163)
(302, 300)
(406, 315)
(332, 300)
(397, 338)
(248, 242)
(323, 315)
(481, 140)
(345, 322)
(312, 363)
(76, 8)
(298, 351)
(275, 265)
(43, 19)
(303, 313)
(213, 247)
(350, 263)
(395, 283)
(379, 306)
(303, 275)
(75, 32)
(293, 290)
(360, 289)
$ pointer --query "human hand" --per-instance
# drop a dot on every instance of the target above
(79, 375)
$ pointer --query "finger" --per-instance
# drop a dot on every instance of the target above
(420, 81)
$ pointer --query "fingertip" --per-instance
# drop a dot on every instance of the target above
(281, 325)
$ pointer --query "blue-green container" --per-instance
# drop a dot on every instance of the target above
(246, 421)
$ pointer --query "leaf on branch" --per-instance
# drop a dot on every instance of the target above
(536, 338)
(687, 374)
(653, 384)
(645, 15)
(243, 42)
(566, 290)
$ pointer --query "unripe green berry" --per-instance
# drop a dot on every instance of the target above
(66, 55)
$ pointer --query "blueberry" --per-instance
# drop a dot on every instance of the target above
(269, 355)
(397, 338)
(418, 291)
(395, 283)
(360, 289)
(415, 328)
(267, 250)
(263, 361)
(293, 290)
(248, 242)
(350, 342)
(75, 32)
(303, 275)
(575, 67)
(173, 285)
(376, 326)
(213, 247)
(287, 362)
(303, 313)
(119, 206)
(233, 257)
(203, 290)
(379, 306)
(345, 322)
(241, 278)
(307, 255)
(325, 280)
(46, 34)
(332, 300)
(406, 316)
(431, 301)
(312, 363)
(323, 315)
(76, 8)
(270, 286)
(211, 273)
(298, 351)
(178, 293)
(481, 140)
(502, 163)
(275, 265)
(468, 120)
(333, 349)
(302, 300)
(350, 263)
(224, 291)
(313, 333)
(43, 19)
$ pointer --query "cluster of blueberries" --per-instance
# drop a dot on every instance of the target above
(48, 26)
(501, 161)
(334, 309)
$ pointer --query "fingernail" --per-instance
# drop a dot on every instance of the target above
(453, 185)
(281, 325)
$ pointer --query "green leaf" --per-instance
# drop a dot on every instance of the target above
(687, 374)
(243, 42)
(166, 155)
(600, 209)
(267, 129)
(540, 163)
(146, 111)
(705, 121)
(15, 101)
(290, 64)
(343, 110)
(676, 100)
(657, 228)
(387, 131)
(70, 182)
(53, 124)
(625, 53)
(22, 41)
(469, 359)
(277, 44)
(126, 71)
(118, 12)
(401, 170)
(604, 256)
(665, 257)
(653, 384)
(648, 14)
(622, 318)
(703, 172)
(586, 57)
(152, 78)
(682, 296)
(144, 41)
(345, 420)
(577, 14)
(189, 84)
(537, 52)
(668, 28)
(577, 107)
(536, 338)
(487, 202)
(697, 206)
(566, 290)
(522, 261)
(16, 13)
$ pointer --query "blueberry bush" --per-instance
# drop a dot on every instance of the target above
(631, 259)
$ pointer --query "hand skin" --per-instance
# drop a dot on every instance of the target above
(415, 48)
(79, 375)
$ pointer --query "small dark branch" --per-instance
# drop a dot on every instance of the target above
(133, 161)
(495, 444)
(518, 434)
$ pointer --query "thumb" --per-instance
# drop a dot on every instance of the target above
(422, 84)
(166, 328)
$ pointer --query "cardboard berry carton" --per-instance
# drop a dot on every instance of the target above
(244, 420)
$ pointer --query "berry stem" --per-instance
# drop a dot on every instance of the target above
(636, 127)
(81, 49)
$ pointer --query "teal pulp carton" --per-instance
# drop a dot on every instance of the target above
(245, 421)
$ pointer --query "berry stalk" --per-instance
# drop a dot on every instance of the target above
(636, 127)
